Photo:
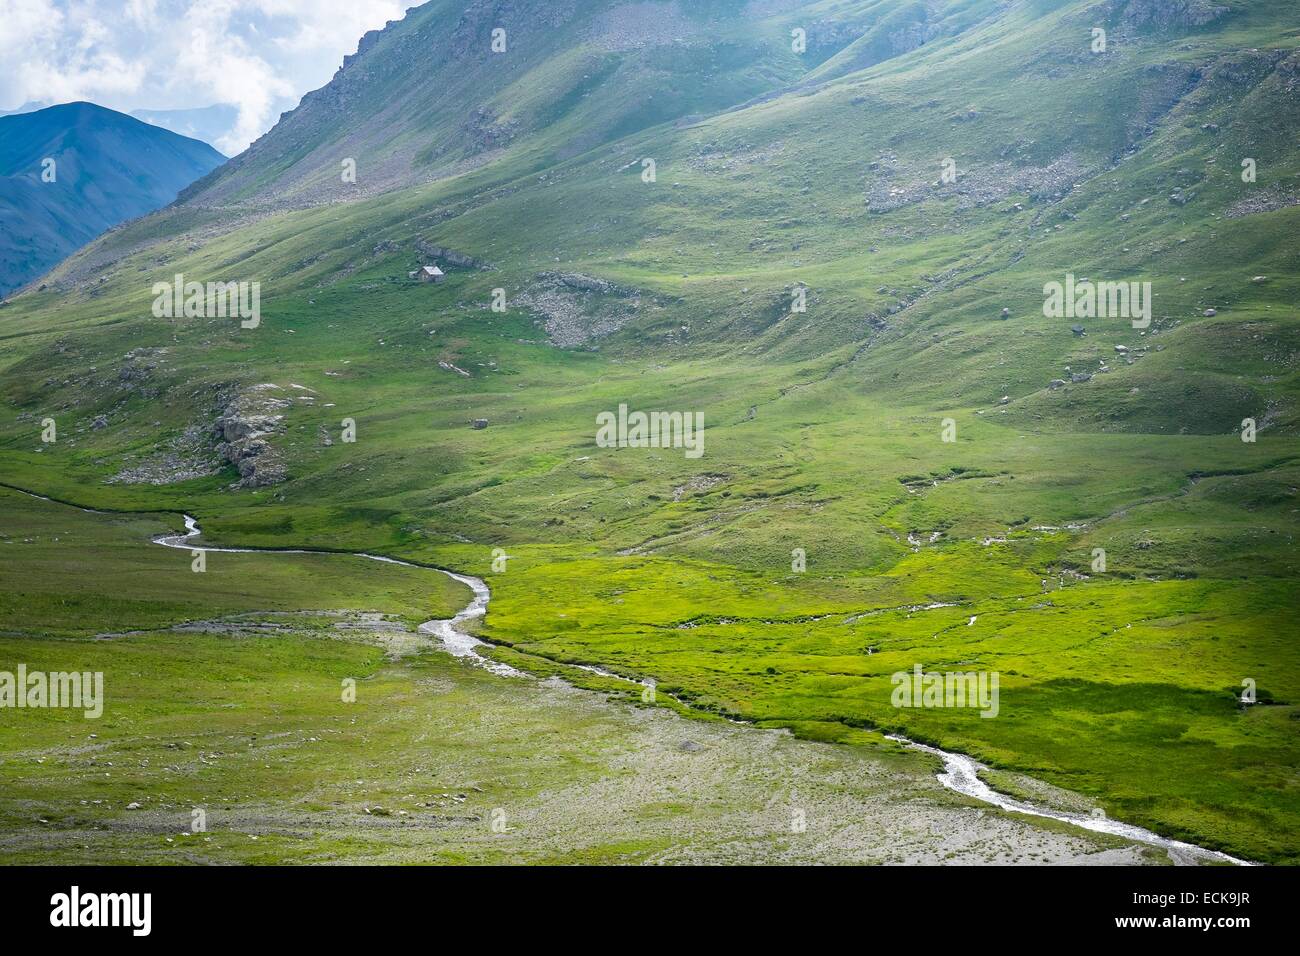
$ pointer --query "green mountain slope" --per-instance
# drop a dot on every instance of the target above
(457, 85)
(824, 429)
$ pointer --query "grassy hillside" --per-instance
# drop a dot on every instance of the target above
(824, 428)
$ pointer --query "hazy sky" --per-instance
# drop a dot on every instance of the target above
(259, 56)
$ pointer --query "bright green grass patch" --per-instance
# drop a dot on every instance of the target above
(1125, 691)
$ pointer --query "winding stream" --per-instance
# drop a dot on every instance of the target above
(961, 775)
(455, 641)
(960, 772)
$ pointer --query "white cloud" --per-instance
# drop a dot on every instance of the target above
(27, 22)
(259, 56)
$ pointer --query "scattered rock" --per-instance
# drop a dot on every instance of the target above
(576, 309)
(698, 485)
(178, 458)
(893, 185)
(1268, 199)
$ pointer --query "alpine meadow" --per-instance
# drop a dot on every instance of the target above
(680, 431)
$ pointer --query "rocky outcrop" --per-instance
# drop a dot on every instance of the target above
(243, 431)
(486, 131)
(450, 256)
(585, 283)
(240, 435)
(1164, 14)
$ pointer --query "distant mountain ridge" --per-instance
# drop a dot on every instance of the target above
(31, 106)
(70, 172)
